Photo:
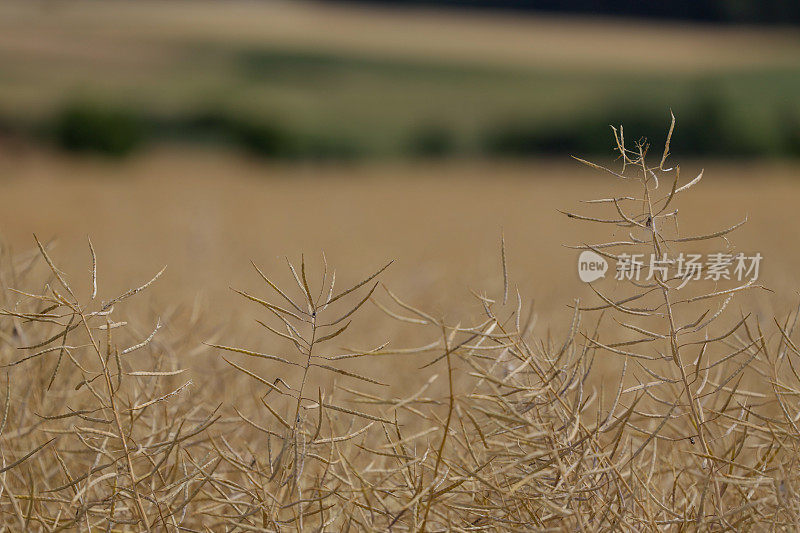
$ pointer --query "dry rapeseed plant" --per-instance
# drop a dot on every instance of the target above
(100, 430)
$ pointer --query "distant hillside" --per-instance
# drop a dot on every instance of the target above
(307, 80)
(725, 11)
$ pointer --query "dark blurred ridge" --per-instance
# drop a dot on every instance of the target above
(724, 11)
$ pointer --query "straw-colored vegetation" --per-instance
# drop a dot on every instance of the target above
(106, 425)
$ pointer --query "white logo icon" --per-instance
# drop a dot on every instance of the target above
(591, 266)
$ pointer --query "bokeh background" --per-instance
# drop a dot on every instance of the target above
(205, 134)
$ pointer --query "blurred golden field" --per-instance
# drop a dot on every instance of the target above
(206, 215)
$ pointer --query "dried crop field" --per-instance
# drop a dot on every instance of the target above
(408, 401)
(372, 315)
